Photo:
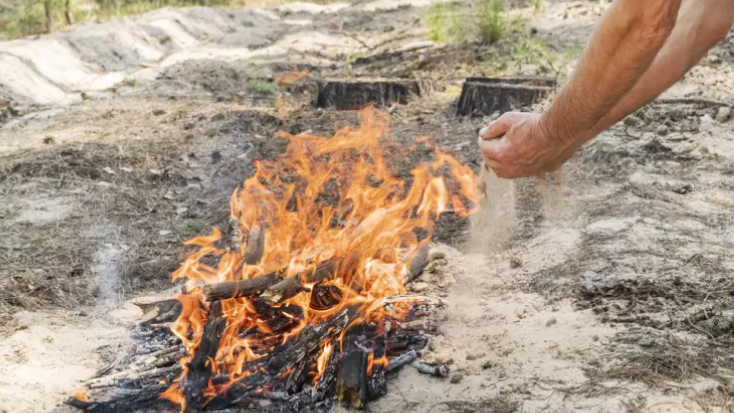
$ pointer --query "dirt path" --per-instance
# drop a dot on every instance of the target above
(607, 292)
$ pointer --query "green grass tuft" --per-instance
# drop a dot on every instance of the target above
(262, 86)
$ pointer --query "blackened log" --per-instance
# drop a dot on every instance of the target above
(242, 288)
(254, 286)
(351, 377)
(327, 382)
(147, 397)
(281, 359)
(255, 245)
(288, 288)
(401, 341)
(265, 310)
(200, 370)
(324, 297)
(273, 326)
(376, 384)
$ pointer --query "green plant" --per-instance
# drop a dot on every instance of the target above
(493, 24)
(262, 86)
(443, 22)
(538, 5)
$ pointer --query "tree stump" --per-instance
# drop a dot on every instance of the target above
(484, 96)
(355, 94)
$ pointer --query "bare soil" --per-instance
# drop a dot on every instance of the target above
(605, 289)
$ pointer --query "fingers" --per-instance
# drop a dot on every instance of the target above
(501, 126)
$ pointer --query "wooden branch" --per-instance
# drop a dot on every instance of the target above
(242, 288)
(200, 370)
(288, 288)
(417, 265)
(255, 245)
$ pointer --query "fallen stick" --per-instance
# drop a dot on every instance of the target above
(435, 370)
(396, 363)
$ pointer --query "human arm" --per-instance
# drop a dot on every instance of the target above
(621, 49)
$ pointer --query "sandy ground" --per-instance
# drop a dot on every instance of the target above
(609, 291)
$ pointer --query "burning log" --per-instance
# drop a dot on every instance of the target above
(242, 288)
(283, 358)
(200, 370)
(235, 235)
(257, 285)
(351, 378)
(288, 288)
(255, 245)
(418, 264)
(324, 297)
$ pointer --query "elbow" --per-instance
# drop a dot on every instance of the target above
(650, 23)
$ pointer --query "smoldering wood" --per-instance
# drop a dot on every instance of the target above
(123, 403)
(115, 379)
(324, 297)
(159, 312)
(417, 264)
(234, 235)
(199, 370)
(485, 96)
(351, 377)
(255, 245)
(282, 359)
(398, 342)
(435, 370)
(347, 94)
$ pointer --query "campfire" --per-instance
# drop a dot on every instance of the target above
(302, 300)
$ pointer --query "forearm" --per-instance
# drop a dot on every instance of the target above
(621, 49)
(701, 25)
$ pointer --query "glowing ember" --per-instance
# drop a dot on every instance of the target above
(81, 395)
(340, 233)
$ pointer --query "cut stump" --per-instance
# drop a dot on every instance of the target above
(355, 94)
(483, 96)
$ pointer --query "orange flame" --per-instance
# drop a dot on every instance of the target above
(81, 395)
(323, 198)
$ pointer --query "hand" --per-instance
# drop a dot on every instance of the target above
(517, 146)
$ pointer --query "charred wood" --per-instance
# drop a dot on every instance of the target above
(199, 370)
(435, 370)
(123, 403)
(324, 297)
(288, 288)
(396, 363)
(255, 245)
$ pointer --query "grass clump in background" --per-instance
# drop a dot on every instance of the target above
(262, 86)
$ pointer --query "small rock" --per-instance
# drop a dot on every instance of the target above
(551, 322)
(419, 286)
(724, 114)
(487, 365)
(632, 121)
(164, 232)
(434, 255)
(474, 355)
(109, 170)
(159, 112)
(457, 378)
(218, 117)
(515, 262)
(662, 130)
(707, 119)
(595, 338)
